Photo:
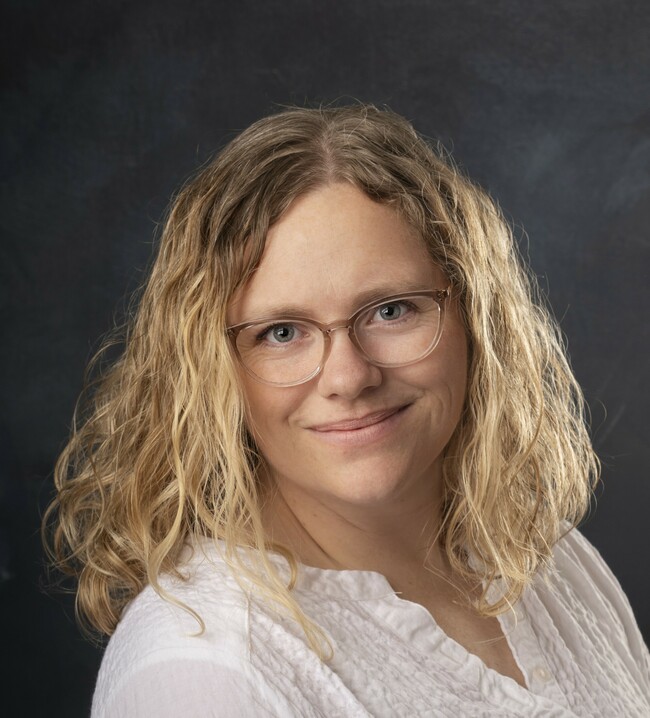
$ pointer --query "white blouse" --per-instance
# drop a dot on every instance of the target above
(573, 636)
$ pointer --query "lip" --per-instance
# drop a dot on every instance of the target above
(362, 430)
(360, 423)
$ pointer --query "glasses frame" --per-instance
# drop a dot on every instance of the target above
(440, 296)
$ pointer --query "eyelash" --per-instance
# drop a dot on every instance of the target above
(269, 328)
(404, 303)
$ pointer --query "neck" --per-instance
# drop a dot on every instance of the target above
(398, 539)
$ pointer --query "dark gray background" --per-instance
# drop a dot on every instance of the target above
(108, 106)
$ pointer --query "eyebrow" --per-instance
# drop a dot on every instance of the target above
(361, 299)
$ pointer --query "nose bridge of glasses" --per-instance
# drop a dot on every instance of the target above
(332, 328)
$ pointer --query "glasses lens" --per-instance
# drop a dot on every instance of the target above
(284, 352)
(390, 333)
(400, 331)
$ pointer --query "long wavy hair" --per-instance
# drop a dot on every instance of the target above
(160, 455)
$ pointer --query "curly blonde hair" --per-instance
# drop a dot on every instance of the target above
(160, 455)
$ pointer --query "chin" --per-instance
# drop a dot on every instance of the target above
(363, 485)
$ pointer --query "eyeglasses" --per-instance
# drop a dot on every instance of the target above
(395, 331)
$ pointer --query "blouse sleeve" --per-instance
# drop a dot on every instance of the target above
(172, 688)
(600, 588)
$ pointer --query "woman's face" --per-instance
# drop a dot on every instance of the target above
(330, 250)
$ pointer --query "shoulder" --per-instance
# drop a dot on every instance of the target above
(159, 653)
(579, 567)
(153, 623)
(583, 596)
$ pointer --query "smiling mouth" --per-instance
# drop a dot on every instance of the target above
(361, 423)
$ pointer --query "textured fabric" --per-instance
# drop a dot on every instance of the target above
(573, 636)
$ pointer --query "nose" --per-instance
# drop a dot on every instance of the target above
(346, 372)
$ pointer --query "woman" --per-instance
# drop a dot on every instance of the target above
(337, 468)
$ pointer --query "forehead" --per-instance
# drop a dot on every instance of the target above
(333, 250)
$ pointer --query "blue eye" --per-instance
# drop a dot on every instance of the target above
(392, 311)
(278, 334)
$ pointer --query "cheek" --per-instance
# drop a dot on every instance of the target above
(456, 370)
(268, 410)
(446, 368)
(443, 381)
(458, 362)
(454, 353)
